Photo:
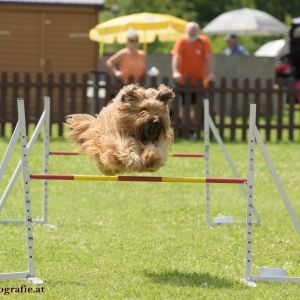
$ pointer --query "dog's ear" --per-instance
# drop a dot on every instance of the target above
(129, 93)
(165, 94)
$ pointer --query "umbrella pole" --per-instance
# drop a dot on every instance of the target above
(101, 51)
(145, 43)
(145, 47)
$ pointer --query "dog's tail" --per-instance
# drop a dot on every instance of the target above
(79, 125)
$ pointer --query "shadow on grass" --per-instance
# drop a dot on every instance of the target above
(188, 279)
(66, 282)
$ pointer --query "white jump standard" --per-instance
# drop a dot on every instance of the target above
(20, 132)
(265, 274)
(43, 125)
(209, 125)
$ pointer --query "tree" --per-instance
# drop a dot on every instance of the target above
(203, 11)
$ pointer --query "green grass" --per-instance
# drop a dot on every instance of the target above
(149, 240)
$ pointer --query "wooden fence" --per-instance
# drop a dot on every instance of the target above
(278, 112)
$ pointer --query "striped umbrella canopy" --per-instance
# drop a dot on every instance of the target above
(165, 28)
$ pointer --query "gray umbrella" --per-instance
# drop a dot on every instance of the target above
(245, 21)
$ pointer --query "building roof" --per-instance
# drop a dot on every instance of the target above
(94, 3)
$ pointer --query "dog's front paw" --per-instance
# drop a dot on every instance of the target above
(151, 160)
(130, 159)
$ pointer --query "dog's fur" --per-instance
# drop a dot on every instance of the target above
(131, 134)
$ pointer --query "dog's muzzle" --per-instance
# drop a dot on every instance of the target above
(152, 131)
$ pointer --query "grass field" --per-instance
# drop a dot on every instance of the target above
(149, 240)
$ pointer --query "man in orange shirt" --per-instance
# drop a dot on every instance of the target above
(192, 58)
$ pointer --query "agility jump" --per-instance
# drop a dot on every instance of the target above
(208, 125)
(265, 274)
(44, 125)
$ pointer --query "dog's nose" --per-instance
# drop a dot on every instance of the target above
(155, 123)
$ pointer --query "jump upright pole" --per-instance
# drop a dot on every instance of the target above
(206, 151)
(250, 203)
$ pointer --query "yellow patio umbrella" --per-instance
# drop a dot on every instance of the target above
(165, 28)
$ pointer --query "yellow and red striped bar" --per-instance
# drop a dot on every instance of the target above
(195, 155)
(64, 153)
(137, 178)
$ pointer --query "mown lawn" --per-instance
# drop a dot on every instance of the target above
(119, 240)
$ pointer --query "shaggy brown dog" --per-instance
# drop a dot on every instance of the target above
(131, 134)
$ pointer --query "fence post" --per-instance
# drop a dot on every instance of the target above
(95, 108)
(3, 102)
(257, 100)
(50, 87)
(269, 108)
(38, 97)
(62, 87)
(175, 112)
(84, 88)
(292, 95)
(245, 113)
(153, 82)
(235, 90)
(280, 109)
(223, 89)
(15, 95)
(27, 89)
(73, 93)
(211, 97)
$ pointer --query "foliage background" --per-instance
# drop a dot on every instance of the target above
(202, 11)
